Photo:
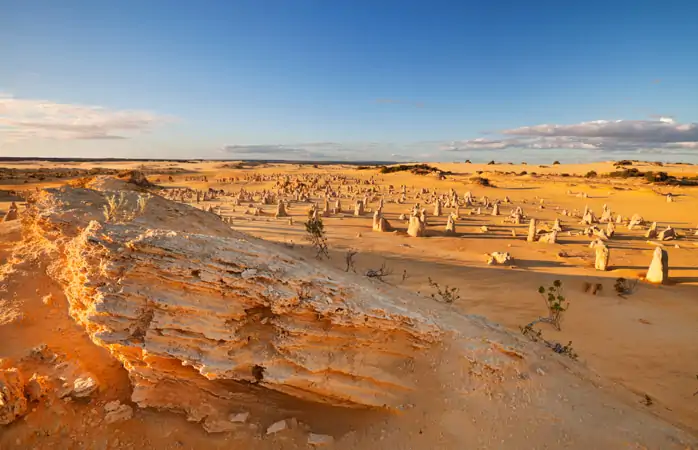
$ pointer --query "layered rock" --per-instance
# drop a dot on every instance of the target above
(182, 308)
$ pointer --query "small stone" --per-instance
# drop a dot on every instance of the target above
(277, 426)
(216, 425)
(47, 300)
(116, 412)
(239, 417)
(318, 440)
(248, 273)
(36, 387)
(84, 386)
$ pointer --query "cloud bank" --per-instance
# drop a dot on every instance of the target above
(22, 119)
(359, 151)
(616, 135)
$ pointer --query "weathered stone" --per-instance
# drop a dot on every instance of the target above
(532, 231)
(276, 427)
(548, 238)
(658, 271)
(13, 403)
(450, 225)
(652, 231)
(359, 208)
(84, 386)
(635, 221)
(380, 223)
(10, 215)
(319, 440)
(602, 257)
(281, 210)
(416, 227)
(501, 258)
(437, 208)
(117, 412)
(36, 388)
(667, 234)
(239, 417)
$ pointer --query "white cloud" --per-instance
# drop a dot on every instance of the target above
(42, 119)
(617, 135)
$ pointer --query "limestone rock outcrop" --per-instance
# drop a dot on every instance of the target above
(181, 308)
(658, 271)
(13, 403)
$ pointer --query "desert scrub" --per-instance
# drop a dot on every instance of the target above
(115, 206)
(446, 295)
(315, 234)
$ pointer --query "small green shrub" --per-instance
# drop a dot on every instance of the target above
(316, 236)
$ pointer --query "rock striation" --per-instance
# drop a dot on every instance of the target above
(182, 308)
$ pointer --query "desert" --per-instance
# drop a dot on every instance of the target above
(253, 304)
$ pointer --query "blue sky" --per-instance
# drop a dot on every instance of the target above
(350, 79)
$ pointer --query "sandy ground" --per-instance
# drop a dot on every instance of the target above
(645, 342)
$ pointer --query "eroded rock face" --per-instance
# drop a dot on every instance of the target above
(180, 308)
(13, 403)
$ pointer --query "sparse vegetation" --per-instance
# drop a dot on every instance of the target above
(481, 181)
(446, 295)
(624, 286)
(654, 177)
(349, 260)
(592, 288)
(556, 163)
(537, 336)
(143, 202)
(115, 206)
(381, 273)
(591, 174)
(554, 303)
(417, 169)
(316, 236)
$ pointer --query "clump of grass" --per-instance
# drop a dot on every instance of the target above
(114, 207)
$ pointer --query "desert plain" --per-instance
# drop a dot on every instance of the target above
(425, 370)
